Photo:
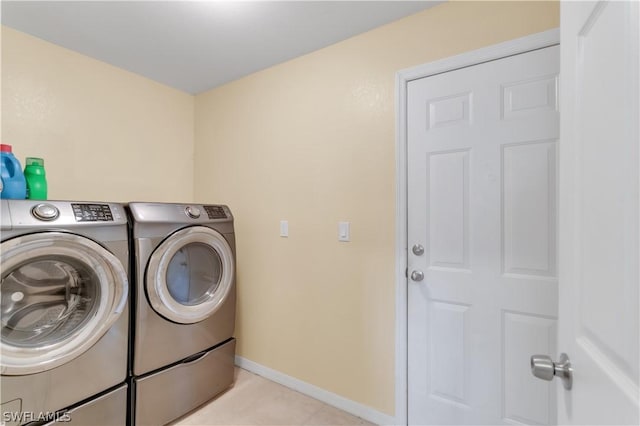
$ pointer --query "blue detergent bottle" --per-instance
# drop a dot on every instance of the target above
(14, 184)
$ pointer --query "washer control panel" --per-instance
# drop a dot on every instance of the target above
(92, 212)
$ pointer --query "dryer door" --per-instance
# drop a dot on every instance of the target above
(60, 294)
(190, 275)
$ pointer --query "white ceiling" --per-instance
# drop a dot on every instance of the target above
(198, 45)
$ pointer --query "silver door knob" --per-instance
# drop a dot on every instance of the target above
(418, 250)
(417, 275)
(544, 368)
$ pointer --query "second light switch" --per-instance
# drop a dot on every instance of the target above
(344, 231)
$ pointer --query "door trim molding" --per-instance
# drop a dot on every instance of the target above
(403, 77)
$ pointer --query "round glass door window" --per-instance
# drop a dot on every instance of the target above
(44, 301)
(190, 275)
(194, 274)
(60, 293)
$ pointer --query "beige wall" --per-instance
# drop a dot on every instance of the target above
(105, 133)
(312, 141)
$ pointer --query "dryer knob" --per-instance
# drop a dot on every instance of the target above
(192, 212)
(45, 212)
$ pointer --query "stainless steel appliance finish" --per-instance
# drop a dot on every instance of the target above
(192, 382)
(64, 293)
(185, 300)
(109, 409)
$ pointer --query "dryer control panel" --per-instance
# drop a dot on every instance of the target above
(215, 212)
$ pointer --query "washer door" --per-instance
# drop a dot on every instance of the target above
(60, 294)
(190, 275)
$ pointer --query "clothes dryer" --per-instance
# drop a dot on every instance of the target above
(185, 301)
(64, 319)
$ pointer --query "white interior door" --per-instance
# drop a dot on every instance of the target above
(482, 214)
(599, 219)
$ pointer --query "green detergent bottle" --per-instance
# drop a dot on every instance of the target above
(36, 179)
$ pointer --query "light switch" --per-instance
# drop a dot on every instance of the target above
(344, 231)
(284, 228)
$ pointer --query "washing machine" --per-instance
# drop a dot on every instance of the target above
(185, 301)
(65, 322)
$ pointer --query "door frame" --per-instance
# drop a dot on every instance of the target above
(403, 77)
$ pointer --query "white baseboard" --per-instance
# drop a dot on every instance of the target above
(320, 394)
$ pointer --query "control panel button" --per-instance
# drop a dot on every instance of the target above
(192, 212)
(45, 212)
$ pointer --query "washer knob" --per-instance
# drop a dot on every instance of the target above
(192, 212)
(44, 211)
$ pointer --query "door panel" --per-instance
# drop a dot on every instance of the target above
(522, 334)
(482, 181)
(448, 216)
(528, 209)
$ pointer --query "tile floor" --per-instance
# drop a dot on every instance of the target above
(254, 400)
